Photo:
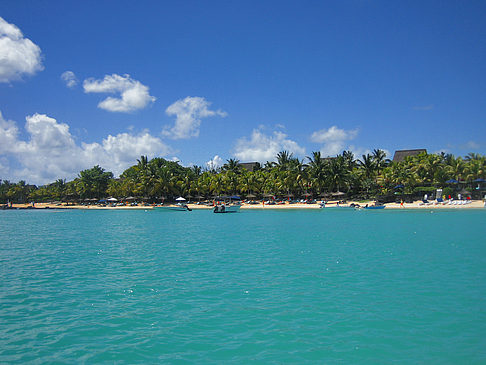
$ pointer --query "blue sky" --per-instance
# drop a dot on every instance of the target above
(208, 81)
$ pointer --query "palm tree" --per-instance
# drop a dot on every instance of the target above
(349, 160)
(232, 165)
(379, 157)
(317, 171)
(368, 165)
(284, 159)
(338, 175)
(455, 168)
(473, 156)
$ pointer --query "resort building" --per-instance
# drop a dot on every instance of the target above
(250, 166)
(400, 155)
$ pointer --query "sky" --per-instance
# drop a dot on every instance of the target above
(200, 82)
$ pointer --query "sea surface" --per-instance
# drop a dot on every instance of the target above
(333, 286)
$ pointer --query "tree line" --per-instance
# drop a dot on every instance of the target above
(288, 177)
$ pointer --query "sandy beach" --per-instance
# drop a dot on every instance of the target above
(474, 204)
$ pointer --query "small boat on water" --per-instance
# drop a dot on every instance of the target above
(375, 207)
(223, 208)
(227, 205)
(180, 206)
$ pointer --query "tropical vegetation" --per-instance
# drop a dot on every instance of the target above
(369, 176)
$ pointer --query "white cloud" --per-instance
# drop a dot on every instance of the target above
(189, 112)
(471, 145)
(133, 94)
(69, 79)
(333, 139)
(8, 134)
(52, 153)
(4, 167)
(18, 55)
(262, 148)
(214, 163)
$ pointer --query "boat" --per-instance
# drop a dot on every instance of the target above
(375, 207)
(180, 206)
(223, 208)
(227, 206)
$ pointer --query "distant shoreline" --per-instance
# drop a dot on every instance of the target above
(474, 204)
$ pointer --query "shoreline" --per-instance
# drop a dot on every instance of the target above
(474, 204)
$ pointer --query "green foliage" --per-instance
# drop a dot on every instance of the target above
(447, 191)
(92, 183)
(158, 179)
(424, 190)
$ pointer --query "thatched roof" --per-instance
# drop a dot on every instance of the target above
(250, 166)
(401, 154)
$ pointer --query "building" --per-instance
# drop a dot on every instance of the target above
(250, 166)
(400, 155)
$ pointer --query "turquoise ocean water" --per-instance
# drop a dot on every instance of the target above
(328, 286)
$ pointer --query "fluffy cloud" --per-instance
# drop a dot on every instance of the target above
(262, 148)
(133, 94)
(52, 153)
(471, 145)
(18, 55)
(333, 139)
(214, 163)
(69, 79)
(8, 135)
(188, 113)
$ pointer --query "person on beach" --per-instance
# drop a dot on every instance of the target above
(401, 203)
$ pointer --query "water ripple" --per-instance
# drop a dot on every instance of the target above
(333, 287)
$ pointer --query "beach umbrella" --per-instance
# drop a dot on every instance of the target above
(235, 197)
(180, 199)
(338, 193)
(112, 199)
(251, 196)
(130, 198)
(479, 180)
(452, 181)
(102, 201)
(399, 186)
